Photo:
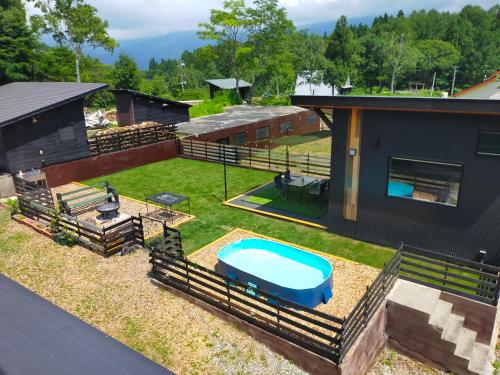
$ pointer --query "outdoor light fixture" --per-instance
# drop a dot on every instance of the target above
(353, 152)
(34, 120)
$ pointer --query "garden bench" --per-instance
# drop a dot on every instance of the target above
(86, 199)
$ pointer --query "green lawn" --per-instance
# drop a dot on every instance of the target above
(203, 182)
(270, 197)
(318, 144)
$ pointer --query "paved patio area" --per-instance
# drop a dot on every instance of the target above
(298, 213)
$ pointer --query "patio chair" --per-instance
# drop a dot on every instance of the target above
(282, 187)
(288, 176)
(319, 190)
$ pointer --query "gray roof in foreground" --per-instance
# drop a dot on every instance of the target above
(40, 338)
(235, 116)
(20, 100)
(228, 83)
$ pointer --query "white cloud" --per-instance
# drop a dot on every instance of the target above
(131, 19)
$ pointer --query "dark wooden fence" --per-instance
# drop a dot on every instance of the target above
(105, 241)
(134, 137)
(36, 193)
(462, 277)
(324, 334)
(308, 328)
(255, 158)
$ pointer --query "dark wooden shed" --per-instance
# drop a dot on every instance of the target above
(423, 171)
(42, 123)
(217, 85)
(134, 107)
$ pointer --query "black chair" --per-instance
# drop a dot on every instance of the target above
(282, 187)
(288, 176)
(319, 189)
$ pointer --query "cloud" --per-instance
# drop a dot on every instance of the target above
(130, 19)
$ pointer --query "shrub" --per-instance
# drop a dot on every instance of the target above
(13, 206)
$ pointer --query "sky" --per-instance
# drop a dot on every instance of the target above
(133, 19)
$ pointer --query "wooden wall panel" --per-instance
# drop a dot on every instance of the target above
(352, 168)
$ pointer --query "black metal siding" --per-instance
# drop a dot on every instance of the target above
(149, 110)
(3, 156)
(460, 231)
(24, 140)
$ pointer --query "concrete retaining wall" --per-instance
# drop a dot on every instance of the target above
(101, 165)
(7, 188)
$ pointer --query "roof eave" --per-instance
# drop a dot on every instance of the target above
(55, 105)
(405, 104)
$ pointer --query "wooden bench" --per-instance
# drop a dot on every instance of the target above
(86, 199)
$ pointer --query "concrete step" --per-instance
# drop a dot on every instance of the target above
(414, 296)
(465, 343)
(480, 362)
(453, 328)
(440, 315)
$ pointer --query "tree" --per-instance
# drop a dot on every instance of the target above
(228, 27)
(400, 57)
(125, 74)
(342, 52)
(74, 24)
(16, 43)
(310, 60)
(436, 56)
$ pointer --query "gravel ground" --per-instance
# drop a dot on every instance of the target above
(133, 207)
(116, 296)
(350, 278)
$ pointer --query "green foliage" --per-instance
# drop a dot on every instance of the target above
(74, 24)
(343, 54)
(125, 74)
(216, 105)
(17, 43)
(13, 206)
(273, 100)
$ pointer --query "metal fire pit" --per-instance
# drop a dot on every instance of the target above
(109, 210)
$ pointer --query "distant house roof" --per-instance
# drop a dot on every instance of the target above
(228, 83)
(489, 89)
(151, 97)
(303, 87)
(20, 100)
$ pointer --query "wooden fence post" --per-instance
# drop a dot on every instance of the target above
(250, 156)
(206, 151)
(187, 274)
(308, 162)
(269, 158)
(287, 162)
(191, 148)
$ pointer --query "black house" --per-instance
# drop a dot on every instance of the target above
(134, 107)
(42, 123)
(421, 171)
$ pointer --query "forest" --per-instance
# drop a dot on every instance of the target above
(257, 42)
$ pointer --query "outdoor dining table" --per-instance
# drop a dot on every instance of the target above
(167, 199)
(301, 182)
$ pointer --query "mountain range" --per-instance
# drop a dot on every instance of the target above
(171, 45)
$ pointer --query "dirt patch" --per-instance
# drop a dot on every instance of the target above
(350, 278)
(133, 207)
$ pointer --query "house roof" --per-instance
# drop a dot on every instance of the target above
(228, 83)
(151, 97)
(40, 338)
(489, 89)
(20, 100)
(396, 103)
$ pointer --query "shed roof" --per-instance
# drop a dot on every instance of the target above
(20, 100)
(151, 97)
(228, 83)
(400, 103)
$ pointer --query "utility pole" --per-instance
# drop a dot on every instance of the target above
(454, 77)
(181, 67)
(433, 81)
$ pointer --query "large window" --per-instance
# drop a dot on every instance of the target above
(240, 138)
(262, 133)
(424, 181)
(489, 143)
